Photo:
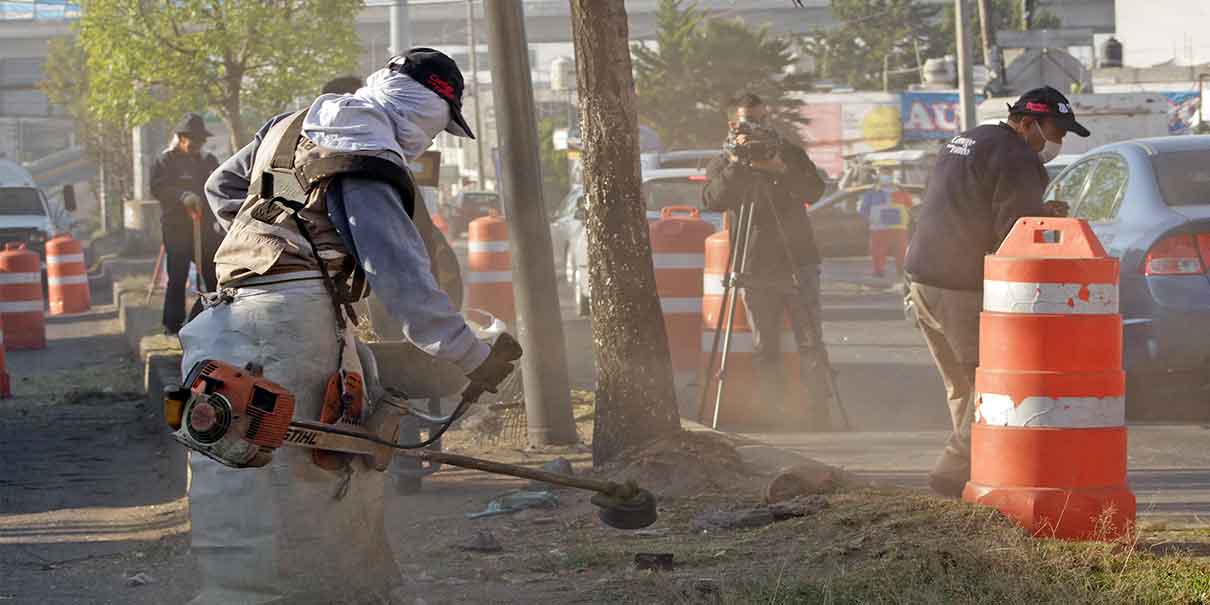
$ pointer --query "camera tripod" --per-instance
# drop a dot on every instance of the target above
(737, 277)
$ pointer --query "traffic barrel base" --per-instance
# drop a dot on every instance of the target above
(1105, 513)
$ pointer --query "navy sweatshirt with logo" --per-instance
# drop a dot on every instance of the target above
(984, 180)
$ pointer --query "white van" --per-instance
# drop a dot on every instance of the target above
(26, 216)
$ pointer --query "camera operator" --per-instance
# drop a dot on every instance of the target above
(778, 178)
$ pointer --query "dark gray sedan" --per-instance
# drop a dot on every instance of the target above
(1148, 200)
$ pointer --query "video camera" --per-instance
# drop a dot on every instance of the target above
(762, 143)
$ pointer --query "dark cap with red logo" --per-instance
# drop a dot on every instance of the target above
(1048, 102)
(440, 74)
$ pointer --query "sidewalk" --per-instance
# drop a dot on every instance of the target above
(1169, 464)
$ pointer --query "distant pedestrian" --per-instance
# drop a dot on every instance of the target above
(178, 180)
(886, 208)
(984, 180)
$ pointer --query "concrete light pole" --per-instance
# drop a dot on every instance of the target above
(401, 28)
(544, 366)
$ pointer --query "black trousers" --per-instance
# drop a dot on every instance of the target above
(766, 308)
(178, 253)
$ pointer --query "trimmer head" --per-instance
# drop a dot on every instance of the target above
(630, 508)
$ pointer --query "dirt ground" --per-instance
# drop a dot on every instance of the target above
(92, 510)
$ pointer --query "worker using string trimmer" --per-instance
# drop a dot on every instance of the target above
(318, 208)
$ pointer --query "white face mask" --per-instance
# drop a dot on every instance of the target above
(1051, 149)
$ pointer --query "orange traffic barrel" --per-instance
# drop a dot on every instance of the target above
(1048, 442)
(6, 390)
(66, 276)
(489, 278)
(678, 242)
(741, 403)
(21, 304)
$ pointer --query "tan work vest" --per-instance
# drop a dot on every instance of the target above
(264, 238)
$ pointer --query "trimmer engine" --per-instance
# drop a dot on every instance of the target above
(231, 414)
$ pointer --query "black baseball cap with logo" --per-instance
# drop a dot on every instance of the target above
(440, 74)
(1050, 103)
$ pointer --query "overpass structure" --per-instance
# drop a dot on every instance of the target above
(30, 127)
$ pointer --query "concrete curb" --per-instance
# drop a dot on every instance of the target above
(161, 367)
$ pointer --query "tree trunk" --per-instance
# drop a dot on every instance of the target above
(235, 122)
(635, 398)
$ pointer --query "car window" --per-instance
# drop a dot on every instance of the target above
(1070, 185)
(1106, 187)
(21, 200)
(1183, 176)
(662, 193)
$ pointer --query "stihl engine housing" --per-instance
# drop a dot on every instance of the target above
(231, 414)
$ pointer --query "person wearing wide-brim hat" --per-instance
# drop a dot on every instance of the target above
(984, 180)
(178, 179)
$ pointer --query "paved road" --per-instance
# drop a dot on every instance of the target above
(89, 493)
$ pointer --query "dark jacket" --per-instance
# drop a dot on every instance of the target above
(984, 180)
(731, 185)
(172, 175)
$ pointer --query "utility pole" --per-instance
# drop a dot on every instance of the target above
(401, 34)
(473, 51)
(966, 93)
(544, 365)
(991, 51)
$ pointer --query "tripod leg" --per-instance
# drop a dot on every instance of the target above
(814, 346)
(718, 326)
(740, 252)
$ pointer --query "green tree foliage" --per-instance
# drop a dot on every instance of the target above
(873, 35)
(106, 138)
(238, 58)
(686, 82)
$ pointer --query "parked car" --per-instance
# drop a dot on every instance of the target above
(685, 158)
(466, 207)
(1148, 201)
(1060, 163)
(26, 215)
(660, 189)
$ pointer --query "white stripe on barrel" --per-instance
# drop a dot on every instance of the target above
(680, 305)
(712, 284)
(676, 260)
(1062, 412)
(1047, 298)
(63, 259)
(21, 306)
(496, 246)
(489, 277)
(20, 278)
(67, 280)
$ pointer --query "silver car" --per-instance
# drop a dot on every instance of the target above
(662, 188)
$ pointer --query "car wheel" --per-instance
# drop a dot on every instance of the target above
(583, 305)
